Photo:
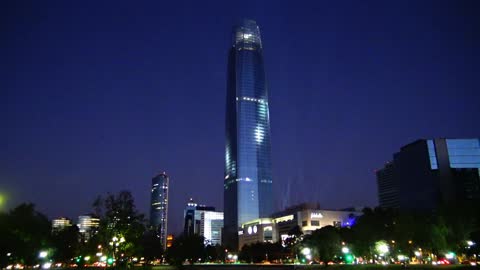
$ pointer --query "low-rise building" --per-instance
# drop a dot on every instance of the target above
(308, 218)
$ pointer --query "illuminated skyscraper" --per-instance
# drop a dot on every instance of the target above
(159, 207)
(248, 175)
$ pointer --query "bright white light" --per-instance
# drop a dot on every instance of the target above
(259, 134)
(87, 258)
(103, 258)
(230, 256)
(381, 247)
(246, 36)
(114, 239)
(42, 254)
(449, 255)
(470, 243)
(401, 257)
(308, 257)
(306, 251)
(122, 240)
(345, 250)
(47, 265)
(235, 257)
(418, 253)
(99, 254)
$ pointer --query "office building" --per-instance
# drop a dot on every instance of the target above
(88, 226)
(205, 221)
(426, 174)
(59, 224)
(307, 216)
(248, 175)
(159, 207)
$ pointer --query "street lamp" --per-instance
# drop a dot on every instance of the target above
(43, 254)
(345, 250)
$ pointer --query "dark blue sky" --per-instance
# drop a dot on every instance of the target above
(99, 96)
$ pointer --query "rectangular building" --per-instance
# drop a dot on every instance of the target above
(307, 217)
(428, 173)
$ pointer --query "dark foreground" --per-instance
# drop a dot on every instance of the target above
(312, 267)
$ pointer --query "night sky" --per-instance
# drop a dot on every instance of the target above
(100, 96)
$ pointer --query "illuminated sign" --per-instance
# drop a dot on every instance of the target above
(316, 215)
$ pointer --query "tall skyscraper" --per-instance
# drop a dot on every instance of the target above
(429, 173)
(159, 207)
(248, 174)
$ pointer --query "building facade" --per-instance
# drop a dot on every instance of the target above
(307, 217)
(59, 224)
(205, 221)
(248, 175)
(426, 174)
(159, 206)
(88, 226)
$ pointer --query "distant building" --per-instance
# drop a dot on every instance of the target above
(205, 221)
(388, 186)
(88, 226)
(59, 224)
(307, 217)
(169, 240)
(159, 206)
(428, 173)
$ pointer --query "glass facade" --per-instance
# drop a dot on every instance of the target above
(248, 176)
(159, 206)
(432, 155)
(464, 153)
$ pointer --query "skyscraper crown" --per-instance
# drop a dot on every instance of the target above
(246, 35)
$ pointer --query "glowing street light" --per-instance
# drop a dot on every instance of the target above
(470, 243)
(345, 250)
(381, 247)
(450, 255)
(43, 254)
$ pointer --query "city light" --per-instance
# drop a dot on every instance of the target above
(2, 200)
(46, 265)
(43, 254)
(418, 253)
(450, 255)
(470, 243)
(307, 252)
(401, 257)
(381, 247)
(345, 250)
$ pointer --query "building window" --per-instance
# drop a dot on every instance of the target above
(337, 224)
(304, 223)
(315, 223)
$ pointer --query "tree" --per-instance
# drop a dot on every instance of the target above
(65, 243)
(324, 242)
(259, 252)
(186, 248)
(122, 227)
(23, 232)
